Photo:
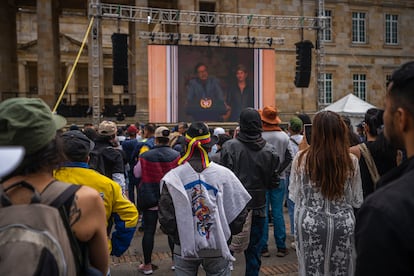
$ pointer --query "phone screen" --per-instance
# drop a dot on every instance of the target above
(308, 132)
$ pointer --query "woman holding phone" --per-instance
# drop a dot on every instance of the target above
(325, 184)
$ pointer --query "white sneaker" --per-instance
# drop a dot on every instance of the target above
(293, 246)
(231, 266)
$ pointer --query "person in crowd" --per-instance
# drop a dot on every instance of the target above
(384, 242)
(255, 162)
(360, 132)
(120, 212)
(295, 138)
(222, 138)
(216, 132)
(325, 184)
(201, 205)
(179, 143)
(91, 133)
(306, 120)
(353, 137)
(275, 196)
(240, 95)
(151, 167)
(29, 123)
(376, 155)
(105, 145)
(147, 142)
(120, 115)
(128, 147)
(205, 98)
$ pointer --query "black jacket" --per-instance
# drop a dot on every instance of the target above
(385, 224)
(255, 166)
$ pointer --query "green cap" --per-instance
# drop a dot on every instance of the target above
(296, 124)
(28, 122)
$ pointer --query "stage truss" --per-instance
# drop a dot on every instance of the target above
(148, 15)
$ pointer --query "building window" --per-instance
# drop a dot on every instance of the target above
(327, 31)
(206, 17)
(391, 29)
(326, 94)
(358, 27)
(360, 86)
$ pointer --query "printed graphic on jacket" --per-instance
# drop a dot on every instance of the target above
(204, 204)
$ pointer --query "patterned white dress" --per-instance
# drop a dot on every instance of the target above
(324, 229)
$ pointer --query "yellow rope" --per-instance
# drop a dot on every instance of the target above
(74, 65)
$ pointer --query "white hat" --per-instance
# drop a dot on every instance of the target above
(10, 158)
(219, 130)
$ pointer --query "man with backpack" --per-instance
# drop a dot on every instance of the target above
(120, 212)
(105, 158)
(69, 222)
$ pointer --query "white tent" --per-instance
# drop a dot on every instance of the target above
(350, 106)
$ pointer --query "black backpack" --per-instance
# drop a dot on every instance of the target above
(96, 160)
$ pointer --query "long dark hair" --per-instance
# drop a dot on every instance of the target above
(328, 162)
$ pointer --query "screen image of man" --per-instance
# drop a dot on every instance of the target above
(205, 100)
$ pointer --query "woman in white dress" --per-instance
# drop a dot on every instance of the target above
(326, 185)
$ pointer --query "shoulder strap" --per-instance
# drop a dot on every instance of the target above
(370, 164)
(294, 141)
(57, 194)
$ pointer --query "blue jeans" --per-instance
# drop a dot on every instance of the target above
(213, 266)
(253, 252)
(275, 198)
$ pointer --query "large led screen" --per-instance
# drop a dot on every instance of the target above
(212, 84)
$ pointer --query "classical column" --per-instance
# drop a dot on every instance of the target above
(141, 67)
(187, 28)
(23, 78)
(48, 55)
(8, 46)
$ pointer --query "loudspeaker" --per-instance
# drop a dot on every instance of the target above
(303, 63)
(119, 59)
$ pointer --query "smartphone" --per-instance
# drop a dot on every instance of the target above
(308, 132)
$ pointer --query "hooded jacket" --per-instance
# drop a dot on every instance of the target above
(254, 161)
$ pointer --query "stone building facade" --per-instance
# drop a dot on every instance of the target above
(364, 42)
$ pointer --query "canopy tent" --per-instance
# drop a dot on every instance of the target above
(350, 106)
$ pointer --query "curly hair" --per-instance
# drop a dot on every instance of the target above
(328, 162)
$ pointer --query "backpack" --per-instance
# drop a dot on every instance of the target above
(34, 237)
(96, 160)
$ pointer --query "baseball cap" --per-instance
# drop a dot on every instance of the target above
(132, 129)
(162, 131)
(219, 130)
(28, 122)
(295, 124)
(107, 128)
(10, 158)
(76, 145)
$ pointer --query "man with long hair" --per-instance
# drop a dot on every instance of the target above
(384, 241)
(326, 185)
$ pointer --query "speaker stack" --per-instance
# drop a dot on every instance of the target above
(120, 59)
(303, 63)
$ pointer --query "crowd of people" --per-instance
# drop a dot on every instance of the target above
(214, 191)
